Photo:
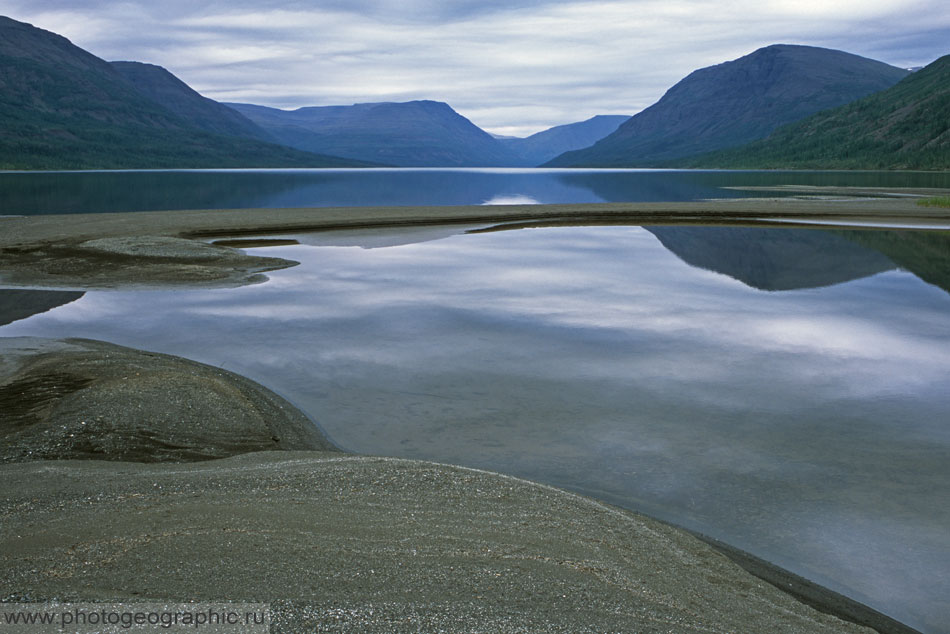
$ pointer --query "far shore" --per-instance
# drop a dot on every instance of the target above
(374, 543)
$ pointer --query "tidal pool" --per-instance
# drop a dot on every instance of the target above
(783, 390)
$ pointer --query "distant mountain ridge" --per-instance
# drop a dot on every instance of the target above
(64, 108)
(906, 126)
(418, 133)
(414, 133)
(736, 102)
(545, 145)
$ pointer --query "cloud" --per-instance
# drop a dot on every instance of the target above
(511, 67)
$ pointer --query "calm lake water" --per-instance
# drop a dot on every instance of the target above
(783, 390)
(80, 192)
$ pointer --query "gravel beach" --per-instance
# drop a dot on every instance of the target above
(361, 544)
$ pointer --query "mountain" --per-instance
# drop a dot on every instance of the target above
(736, 102)
(162, 87)
(64, 108)
(547, 144)
(904, 127)
(414, 133)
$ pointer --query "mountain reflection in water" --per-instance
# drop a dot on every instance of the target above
(773, 259)
(16, 304)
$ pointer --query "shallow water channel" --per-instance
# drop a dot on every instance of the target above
(783, 390)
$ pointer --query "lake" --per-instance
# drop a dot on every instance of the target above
(783, 390)
(81, 192)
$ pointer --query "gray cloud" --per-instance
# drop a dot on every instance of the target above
(512, 68)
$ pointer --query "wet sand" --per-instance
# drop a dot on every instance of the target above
(333, 541)
(84, 399)
(141, 249)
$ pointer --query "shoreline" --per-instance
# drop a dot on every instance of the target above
(153, 249)
(178, 257)
(211, 223)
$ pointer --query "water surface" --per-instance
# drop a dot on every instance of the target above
(111, 191)
(783, 390)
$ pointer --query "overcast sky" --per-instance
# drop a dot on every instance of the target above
(512, 67)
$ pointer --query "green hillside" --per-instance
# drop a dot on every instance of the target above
(736, 102)
(904, 127)
(63, 108)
